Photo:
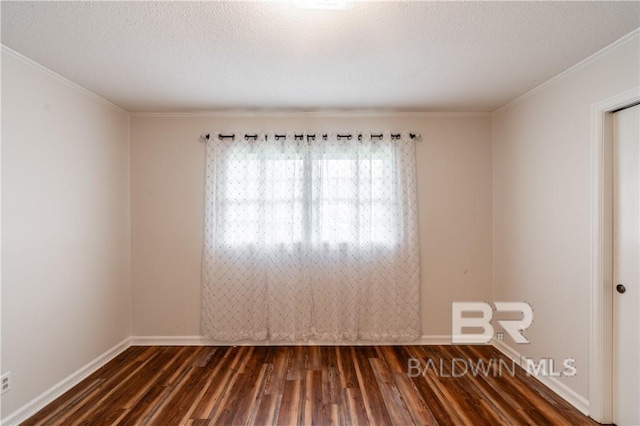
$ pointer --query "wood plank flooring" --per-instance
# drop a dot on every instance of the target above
(348, 385)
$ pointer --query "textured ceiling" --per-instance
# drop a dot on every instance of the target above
(428, 56)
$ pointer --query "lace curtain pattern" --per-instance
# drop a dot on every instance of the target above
(311, 239)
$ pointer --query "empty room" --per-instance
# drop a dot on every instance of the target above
(318, 212)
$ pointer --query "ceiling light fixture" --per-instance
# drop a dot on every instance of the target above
(323, 4)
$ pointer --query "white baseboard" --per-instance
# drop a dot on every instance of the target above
(562, 390)
(42, 400)
(433, 340)
(202, 341)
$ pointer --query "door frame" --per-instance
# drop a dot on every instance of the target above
(601, 321)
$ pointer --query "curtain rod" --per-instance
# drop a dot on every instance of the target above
(310, 136)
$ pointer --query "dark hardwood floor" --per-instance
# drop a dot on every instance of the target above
(307, 385)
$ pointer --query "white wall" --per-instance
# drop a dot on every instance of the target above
(65, 229)
(167, 181)
(542, 204)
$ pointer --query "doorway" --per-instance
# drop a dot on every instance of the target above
(603, 287)
(626, 267)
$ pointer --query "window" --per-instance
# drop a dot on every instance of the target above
(262, 200)
(277, 195)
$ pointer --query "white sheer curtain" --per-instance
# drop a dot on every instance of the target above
(311, 239)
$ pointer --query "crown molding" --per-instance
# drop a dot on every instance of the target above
(61, 79)
(229, 113)
(326, 113)
(600, 53)
(302, 114)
